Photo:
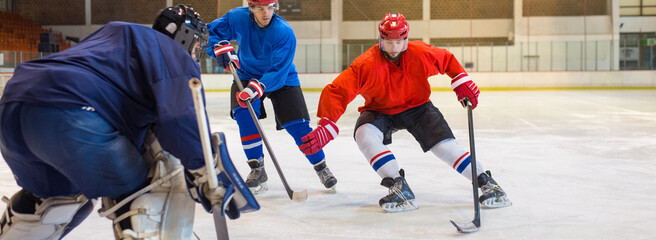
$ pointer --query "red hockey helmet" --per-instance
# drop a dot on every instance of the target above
(393, 26)
(261, 2)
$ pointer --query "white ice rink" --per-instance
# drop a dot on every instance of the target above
(575, 164)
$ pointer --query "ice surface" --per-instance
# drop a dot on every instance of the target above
(576, 165)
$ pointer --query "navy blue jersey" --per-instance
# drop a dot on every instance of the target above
(133, 76)
(266, 54)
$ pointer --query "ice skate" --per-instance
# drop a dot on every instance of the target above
(325, 175)
(257, 178)
(400, 197)
(492, 195)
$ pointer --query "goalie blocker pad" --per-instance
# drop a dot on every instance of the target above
(238, 198)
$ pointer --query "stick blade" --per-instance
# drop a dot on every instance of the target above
(299, 196)
(467, 227)
(220, 225)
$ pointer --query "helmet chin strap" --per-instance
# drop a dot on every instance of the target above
(393, 59)
(386, 48)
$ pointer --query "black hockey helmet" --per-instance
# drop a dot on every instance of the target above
(185, 26)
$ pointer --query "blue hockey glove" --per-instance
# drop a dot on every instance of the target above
(253, 91)
(225, 54)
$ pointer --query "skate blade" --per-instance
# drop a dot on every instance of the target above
(331, 186)
(395, 208)
(496, 203)
(262, 188)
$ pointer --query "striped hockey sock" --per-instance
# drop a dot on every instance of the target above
(251, 140)
(454, 155)
(381, 159)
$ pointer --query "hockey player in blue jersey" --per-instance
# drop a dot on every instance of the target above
(266, 52)
(104, 119)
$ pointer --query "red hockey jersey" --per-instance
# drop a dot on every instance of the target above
(386, 87)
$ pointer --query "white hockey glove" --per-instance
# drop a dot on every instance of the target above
(199, 189)
(232, 195)
(198, 185)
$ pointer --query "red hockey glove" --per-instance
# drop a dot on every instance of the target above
(251, 92)
(465, 88)
(317, 139)
(225, 54)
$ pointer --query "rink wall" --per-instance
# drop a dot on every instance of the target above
(492, 80)
(485, 80)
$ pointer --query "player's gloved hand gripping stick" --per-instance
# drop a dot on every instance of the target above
(252, 92)
(225, 54)
(465, 88)
(293, 195)
(476, 223)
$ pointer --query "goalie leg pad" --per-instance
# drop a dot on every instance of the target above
(241, 200)
(30, 217)
(154, 216)
(161, 210)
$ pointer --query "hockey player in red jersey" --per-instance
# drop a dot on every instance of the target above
(392, 77)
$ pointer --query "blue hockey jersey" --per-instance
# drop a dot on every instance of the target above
(133, 76)
(265, 54)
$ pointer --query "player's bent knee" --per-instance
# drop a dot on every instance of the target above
(367, 135)
(29, 217)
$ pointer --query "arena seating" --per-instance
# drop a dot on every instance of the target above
(21, 34)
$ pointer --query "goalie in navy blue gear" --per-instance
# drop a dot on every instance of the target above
(266, 52)
(105, 118)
